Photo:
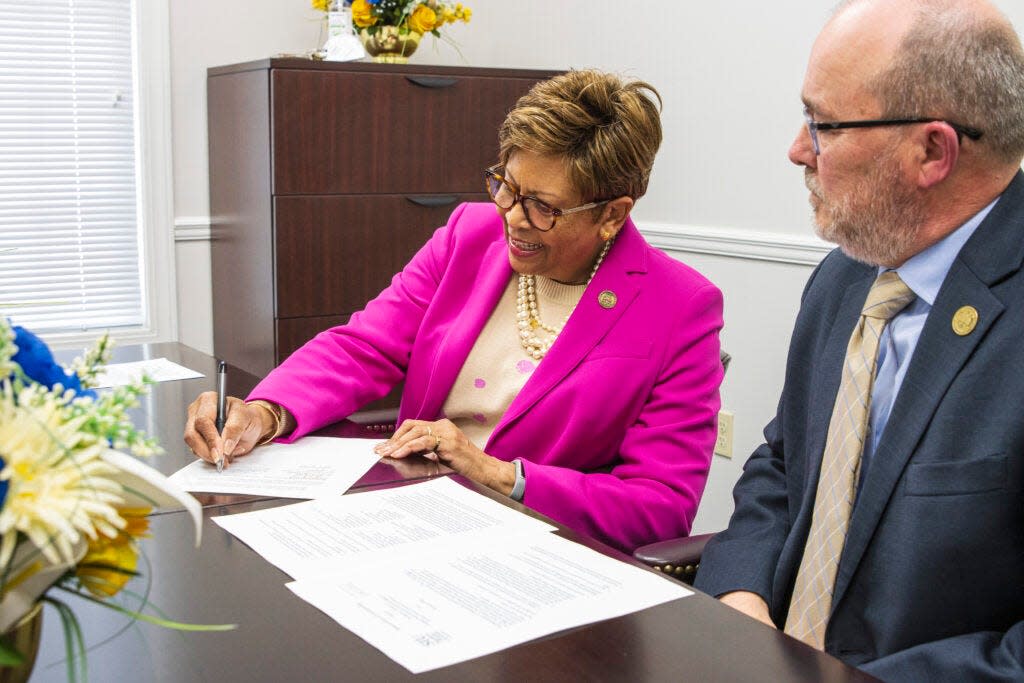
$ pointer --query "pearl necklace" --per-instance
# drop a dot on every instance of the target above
(528, 319)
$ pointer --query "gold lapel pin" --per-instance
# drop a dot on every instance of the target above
(607, 299)
(965, 320)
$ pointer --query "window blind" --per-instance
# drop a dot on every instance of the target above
(69, 227)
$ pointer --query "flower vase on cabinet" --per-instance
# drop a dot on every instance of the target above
(390, 44)
(391, 30)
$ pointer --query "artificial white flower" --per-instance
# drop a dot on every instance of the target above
(58, 485)
(67, 489)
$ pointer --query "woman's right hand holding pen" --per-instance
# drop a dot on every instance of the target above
(244, 426)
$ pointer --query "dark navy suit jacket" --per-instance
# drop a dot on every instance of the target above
(930, 584)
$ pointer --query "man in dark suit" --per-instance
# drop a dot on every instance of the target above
(883, 519)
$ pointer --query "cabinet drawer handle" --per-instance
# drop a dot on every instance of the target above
(434, 201)
(432, 81)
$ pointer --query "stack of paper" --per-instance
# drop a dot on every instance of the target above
(433, 574)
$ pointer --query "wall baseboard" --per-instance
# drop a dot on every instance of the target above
(192, 229)
(732, 242)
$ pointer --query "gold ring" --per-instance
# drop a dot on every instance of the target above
(437, 442)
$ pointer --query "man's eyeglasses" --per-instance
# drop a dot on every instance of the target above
(539, 214)
(814, 126)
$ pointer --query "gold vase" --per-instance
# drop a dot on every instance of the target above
(24, 638)
(389, 44)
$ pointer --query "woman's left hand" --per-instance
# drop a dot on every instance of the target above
(446, 442)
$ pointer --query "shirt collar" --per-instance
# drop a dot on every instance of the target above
(924, 272)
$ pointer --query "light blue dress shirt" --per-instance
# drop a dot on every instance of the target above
(924, 274)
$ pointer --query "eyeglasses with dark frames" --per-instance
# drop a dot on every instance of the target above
(539, 214)
(814, 126)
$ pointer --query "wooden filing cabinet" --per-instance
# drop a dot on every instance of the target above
(325, 178)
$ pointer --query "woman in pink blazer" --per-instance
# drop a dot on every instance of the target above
(547, 350)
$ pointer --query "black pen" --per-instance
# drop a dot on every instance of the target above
(222, 398)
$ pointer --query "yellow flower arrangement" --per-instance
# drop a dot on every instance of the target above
(420, 16)
(390, 30)
(71, 507)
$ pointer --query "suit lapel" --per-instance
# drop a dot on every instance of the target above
(588, 324)
(995, 250)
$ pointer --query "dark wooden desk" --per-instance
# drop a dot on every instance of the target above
(282, 638)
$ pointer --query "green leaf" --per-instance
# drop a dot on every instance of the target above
(74, 641)
(166, 623)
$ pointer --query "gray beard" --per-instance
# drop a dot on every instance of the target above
(876, 223)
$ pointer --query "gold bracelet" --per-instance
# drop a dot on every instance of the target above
(277, 412)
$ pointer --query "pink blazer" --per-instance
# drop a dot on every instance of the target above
(615, 427)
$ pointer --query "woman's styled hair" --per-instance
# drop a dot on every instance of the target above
(607, 129)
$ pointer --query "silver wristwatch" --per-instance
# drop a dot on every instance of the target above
(519, 488)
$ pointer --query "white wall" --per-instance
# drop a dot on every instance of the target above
(723, 197)
(207, 33)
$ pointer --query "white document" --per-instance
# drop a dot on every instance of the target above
(342, 533)
(157, 369)
(460, 601)
(312, 467)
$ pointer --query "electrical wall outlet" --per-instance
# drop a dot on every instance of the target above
(723, 444)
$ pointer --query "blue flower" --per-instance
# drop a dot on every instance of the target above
(36, 360)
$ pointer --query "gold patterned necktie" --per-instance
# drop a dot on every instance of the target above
(811, 604)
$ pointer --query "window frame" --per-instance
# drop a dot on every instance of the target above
(154, 183)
